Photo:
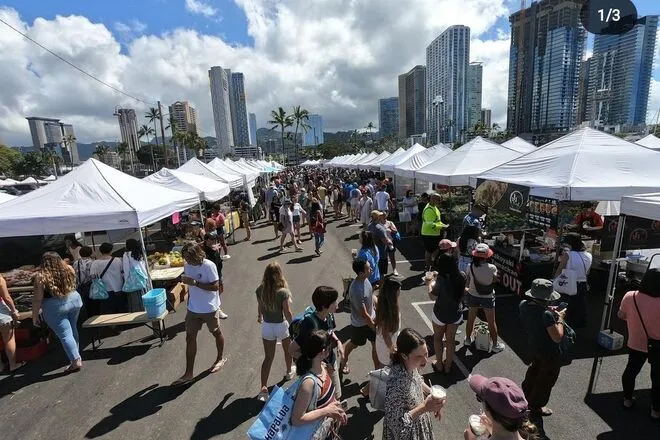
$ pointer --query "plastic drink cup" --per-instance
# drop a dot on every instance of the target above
(429, 275)
(438, 392)
(476, 426)
(354, 252)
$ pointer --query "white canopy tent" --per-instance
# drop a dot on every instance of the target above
(391, 158)
(92, 197)
(4, 197)
(242, 166)
(356, 163)
(208, 189)
(407, 168)
(389, 163)
(8, 182)
(345, 160)
(376, 160)
(520, 145)
(29, 181)
(196, 166)
(471, 159)
(649, 141)
(231, 169)
(584, 165)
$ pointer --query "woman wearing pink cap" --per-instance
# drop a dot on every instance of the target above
(505, 411)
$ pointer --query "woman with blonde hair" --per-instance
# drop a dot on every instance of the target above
(274, 314)
(56, 297)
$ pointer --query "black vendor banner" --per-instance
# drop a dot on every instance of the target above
(543, 212)
(639, 233)
(508, 271)
(506, 198)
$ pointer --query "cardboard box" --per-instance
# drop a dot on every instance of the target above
(178, 294)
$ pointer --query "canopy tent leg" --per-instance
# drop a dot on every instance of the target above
(613, 274)
(144, 252)
(201, 213)
(93, 245)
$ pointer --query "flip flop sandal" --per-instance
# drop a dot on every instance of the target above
(218, 365)
(20, 365)
(345, 370)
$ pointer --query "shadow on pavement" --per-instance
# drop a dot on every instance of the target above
(361, 422)
(225, 419)
(300, 260)
(142, 404)
(269, 256)
(33, 373)
(117, 355)
(635, 424)
(411, 282)
(262, 241)
(352, 237)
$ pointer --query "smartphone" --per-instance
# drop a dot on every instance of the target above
(561, 306)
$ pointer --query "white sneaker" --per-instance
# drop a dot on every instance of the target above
(467, 341)
(497, 347)
(395, 273)
(291, 374)
(222, 315)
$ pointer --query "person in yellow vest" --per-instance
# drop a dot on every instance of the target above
(432, 228)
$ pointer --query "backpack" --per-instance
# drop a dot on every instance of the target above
(98, 289)
(294, 327)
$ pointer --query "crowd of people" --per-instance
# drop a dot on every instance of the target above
(460, 281)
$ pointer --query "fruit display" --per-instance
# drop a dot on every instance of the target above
(176, 260)
(19, 277)
(161, 260)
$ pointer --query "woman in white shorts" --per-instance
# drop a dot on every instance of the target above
(274, 314)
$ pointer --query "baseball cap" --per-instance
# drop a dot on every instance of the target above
(503, 395)
(445, 244)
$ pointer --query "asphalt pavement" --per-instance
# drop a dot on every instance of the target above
(124, 390)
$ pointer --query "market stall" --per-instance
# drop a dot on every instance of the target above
(375, 161)
(208, 189)
(649, 141)
(544, 187)
(4, 197)
(405, 171)
(519, 144)
(196, 166)
(356, 163)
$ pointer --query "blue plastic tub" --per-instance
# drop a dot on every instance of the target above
(155, 302)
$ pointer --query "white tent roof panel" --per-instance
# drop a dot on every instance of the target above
(642, 205)
(208, 189)
(390, 163)
(408, 167)
(649, 141)
(196, 166)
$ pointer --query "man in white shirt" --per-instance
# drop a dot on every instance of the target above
(383, 201)
(201, 275)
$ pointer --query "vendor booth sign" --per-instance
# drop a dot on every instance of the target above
(638, 233)
(504, 197)
(543, 212)
(509, 272)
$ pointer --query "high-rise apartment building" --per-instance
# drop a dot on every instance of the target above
(128, 127)
(388, 116)
(238, 105)
(547, 47)
(583, 91)
(486, 117)
(184, 116)
(219, 83)
(412, 102)
(447, 61)
(620, 76)
(314, 135)
(475, 76)
(253, 128)
(49, 133)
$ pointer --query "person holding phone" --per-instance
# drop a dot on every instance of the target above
(201, 277)
(544, 326)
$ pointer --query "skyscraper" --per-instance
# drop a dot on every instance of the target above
(50, 133)
(314, 135)
(253, 128)
(237, 103)
(388, 116)
(185, 117)
(128, 127)
(486, 117)
(475, 74)
(620, 76)
(547, 47)
(412, 102)
(583, 92)
(447, 60)
(221, 109)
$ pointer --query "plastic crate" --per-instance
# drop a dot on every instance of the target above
(155, 302)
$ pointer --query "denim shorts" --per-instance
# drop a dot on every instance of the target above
(483, 302)
(5, 314)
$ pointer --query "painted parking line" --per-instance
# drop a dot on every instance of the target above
(428, 323)
(409, 261)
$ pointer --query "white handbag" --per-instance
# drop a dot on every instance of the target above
(378, 387)
(566, 282)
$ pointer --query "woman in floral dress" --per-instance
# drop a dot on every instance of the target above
(408, 402)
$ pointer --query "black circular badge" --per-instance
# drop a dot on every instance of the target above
(608, 17)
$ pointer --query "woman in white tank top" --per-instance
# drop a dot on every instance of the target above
(578, 260)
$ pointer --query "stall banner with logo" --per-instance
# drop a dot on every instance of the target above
(639, 233)
(509, 272)
(506, 198)
(543, 212)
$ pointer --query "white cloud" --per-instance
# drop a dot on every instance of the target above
(333, 57)
(200, 7)
(130, 30)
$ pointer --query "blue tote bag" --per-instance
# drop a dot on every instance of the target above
(274, 420)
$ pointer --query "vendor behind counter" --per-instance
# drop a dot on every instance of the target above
(588, 221)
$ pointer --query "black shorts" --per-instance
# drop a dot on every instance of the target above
(360, 335)
(431, 242)
(382, 267)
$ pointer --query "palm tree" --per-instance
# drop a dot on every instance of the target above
(370, 126)
(171, 125)
(301, 117)
(147, 131)
(100, 151)
(181, 139)
(282, 120)
(153, 115)
(68, 141)
(122, 149)
(49, 155)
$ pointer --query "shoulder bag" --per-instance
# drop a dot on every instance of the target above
(653, 345)
(566, 282)
(482, 289)
(136, 279)
(98, 289)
